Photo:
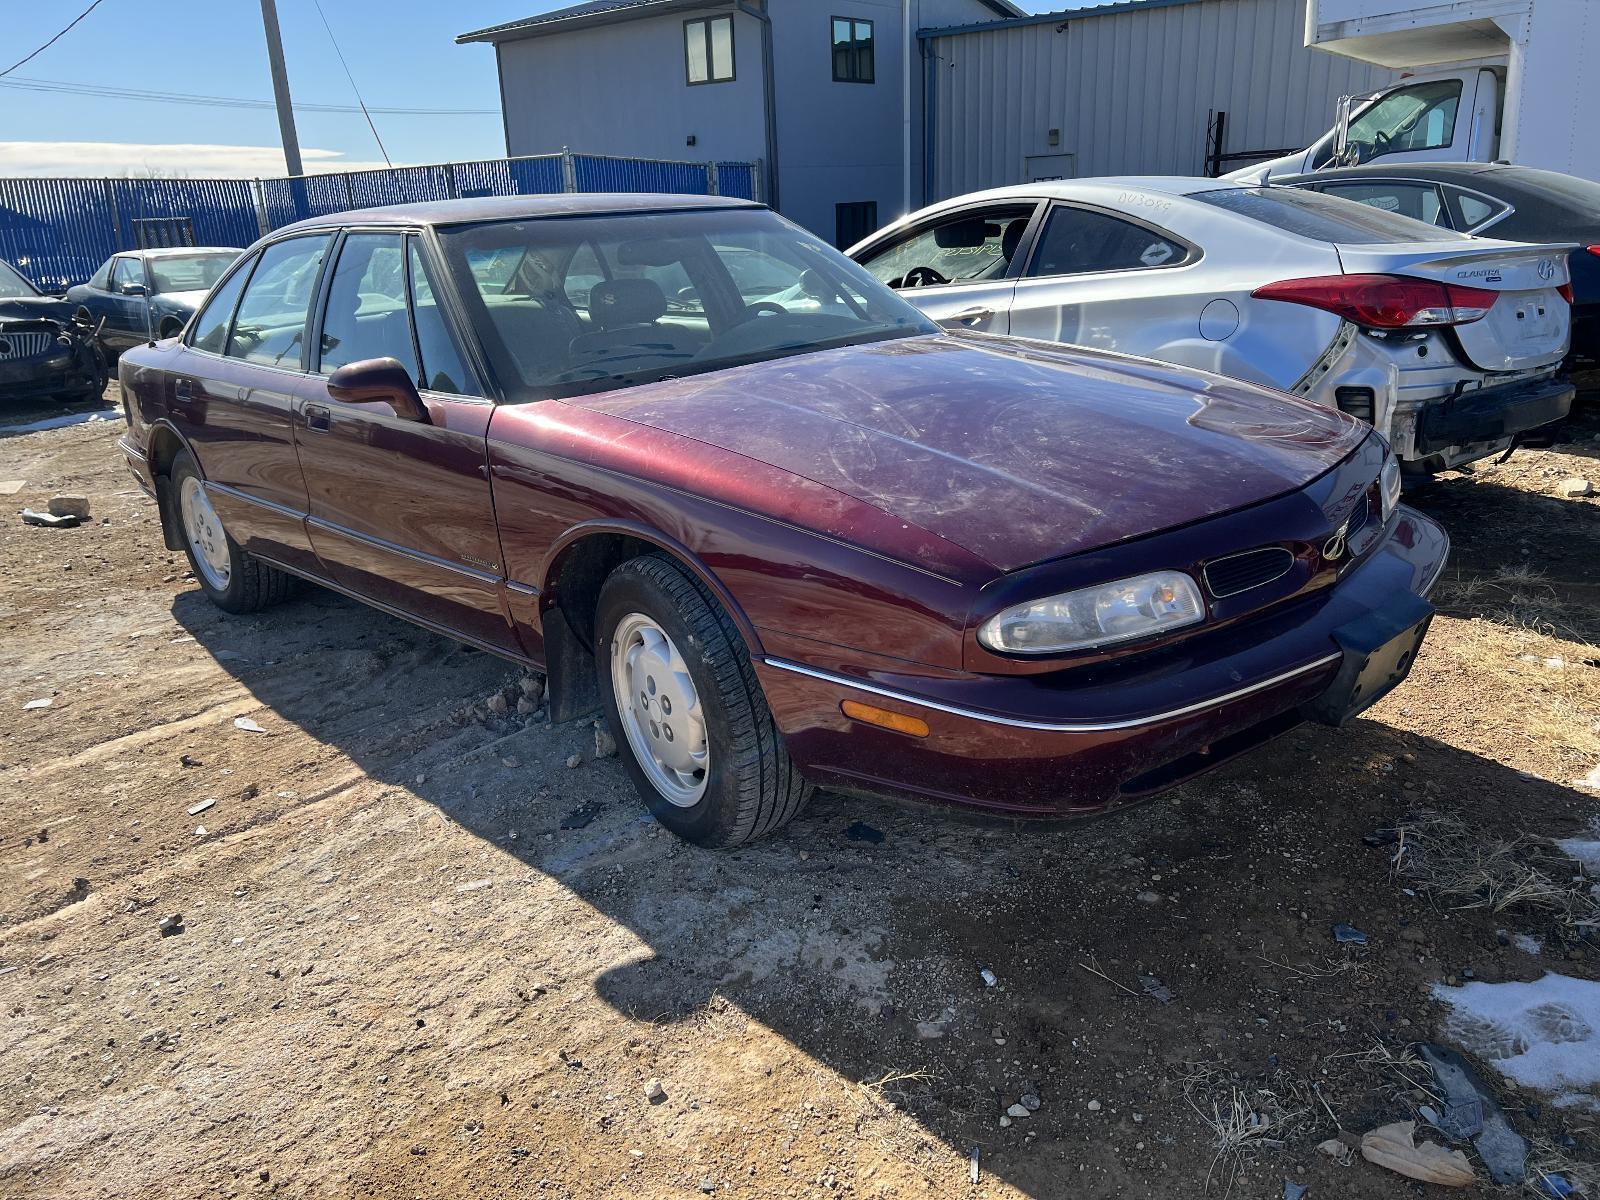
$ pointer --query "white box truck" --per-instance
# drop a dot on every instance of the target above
(1485, 81)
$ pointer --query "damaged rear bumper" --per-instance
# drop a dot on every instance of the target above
(1492, 414)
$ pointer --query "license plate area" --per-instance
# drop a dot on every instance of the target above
(1378, 651)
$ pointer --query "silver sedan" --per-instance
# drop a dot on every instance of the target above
(1450, 345)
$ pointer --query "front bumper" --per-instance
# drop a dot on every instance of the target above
(1492, 414)
(30, 379)
(1049, 746)
(138, 465)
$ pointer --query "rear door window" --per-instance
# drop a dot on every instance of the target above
(1323, 218)
(270, 326)
(966, 247)
(1417, 200)
(1079, 241)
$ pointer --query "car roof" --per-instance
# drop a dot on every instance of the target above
(1171, 185)
(510, 208)
(173, 251)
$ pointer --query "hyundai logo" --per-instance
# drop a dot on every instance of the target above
(1547, 269)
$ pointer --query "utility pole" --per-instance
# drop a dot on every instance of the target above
(280, 88)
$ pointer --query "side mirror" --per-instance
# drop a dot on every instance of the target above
(379, 381)
(133, 289)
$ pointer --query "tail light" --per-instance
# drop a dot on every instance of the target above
(1385, 301)
(1566, 292)
(1594, 250)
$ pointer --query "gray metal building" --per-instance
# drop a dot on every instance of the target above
(1126, 89)
(836, 123)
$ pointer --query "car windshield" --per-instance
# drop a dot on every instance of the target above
(12, 285)
(573, 305)
(1324, 218)
(188, 272)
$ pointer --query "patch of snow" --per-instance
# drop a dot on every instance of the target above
(78, 418)
(1585, 850)
(1543, 1035)
(1527, 943)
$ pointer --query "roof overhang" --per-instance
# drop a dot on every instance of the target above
(1058, 19)
(551, 24)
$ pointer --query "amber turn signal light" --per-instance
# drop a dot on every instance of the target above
(882, 717)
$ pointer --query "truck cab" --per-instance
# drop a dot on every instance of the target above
(1449, 116)
(1483, 81)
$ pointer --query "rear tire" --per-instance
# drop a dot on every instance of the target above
(232, 578)
(658, 627)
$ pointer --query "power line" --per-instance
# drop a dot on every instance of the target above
(27, 84)
(351, 78)
(96, 4)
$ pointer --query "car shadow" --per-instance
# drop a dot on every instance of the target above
(860, 933)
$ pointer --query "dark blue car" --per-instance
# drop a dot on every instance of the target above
(142, 295)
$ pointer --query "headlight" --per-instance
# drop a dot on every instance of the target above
(1389, 485)
(1097, 616)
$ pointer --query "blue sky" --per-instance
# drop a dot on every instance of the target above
(401, 52)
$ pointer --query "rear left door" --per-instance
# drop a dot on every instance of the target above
(1104, 279)
(399, 510)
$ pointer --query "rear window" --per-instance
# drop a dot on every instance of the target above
(1324, 218)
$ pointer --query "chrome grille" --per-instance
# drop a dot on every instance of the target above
(23, 345)
(1359, 517)
(1240, 572)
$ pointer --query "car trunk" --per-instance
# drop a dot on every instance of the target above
(1530, 322)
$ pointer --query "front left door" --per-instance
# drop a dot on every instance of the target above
(399, 510)
(958, 266)
(127, 304)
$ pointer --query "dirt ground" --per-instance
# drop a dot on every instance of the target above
(421, 956)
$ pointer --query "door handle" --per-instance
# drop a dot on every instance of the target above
(973, 316)
(318, 418)
(183, 390)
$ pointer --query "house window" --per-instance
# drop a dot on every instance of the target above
(852, 222)
(852, 51)
(708, 49)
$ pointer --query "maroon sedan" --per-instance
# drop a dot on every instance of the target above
(717, 481)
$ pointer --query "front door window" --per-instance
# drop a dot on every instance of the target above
(968, 247)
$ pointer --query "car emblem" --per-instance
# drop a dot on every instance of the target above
(1547, 269)
(1333, 549)
(5, 346)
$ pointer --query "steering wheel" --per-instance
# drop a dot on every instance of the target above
(922, 277)
(766, 306)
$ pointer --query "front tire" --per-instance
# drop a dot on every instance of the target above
(232, 578)
(690, 721)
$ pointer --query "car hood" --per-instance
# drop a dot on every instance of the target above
(179, 302)
(1016, 451)
(35, 308)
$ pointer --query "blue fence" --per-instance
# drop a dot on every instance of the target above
(58, 231)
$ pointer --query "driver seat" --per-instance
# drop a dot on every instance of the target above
(624, 313)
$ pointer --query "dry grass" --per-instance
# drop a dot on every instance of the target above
(1518, 625)
(1459, 868)
(1545, 1159)
(1246, 1120)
